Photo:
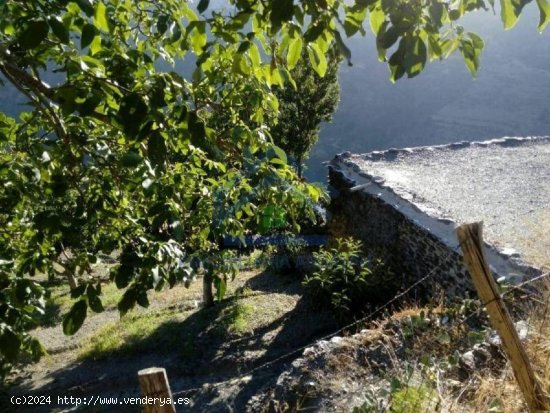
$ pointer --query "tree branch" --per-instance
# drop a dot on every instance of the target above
(20, 78)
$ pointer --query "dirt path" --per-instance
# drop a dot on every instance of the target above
(197, 346)
(53, 339)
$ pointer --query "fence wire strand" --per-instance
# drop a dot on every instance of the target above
(440, 398)
(347, 327)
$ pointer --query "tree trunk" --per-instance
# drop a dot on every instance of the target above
(207, 294)
(299, 166)
(70, 277)
(72, 281)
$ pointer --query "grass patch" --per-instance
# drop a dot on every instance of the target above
(167, 330)
(176, 331)
(237, 318)
(132, 334)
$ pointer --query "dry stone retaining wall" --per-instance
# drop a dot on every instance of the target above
(378, 224)
(411, 235)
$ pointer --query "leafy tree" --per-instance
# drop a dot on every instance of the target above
(303, 105)
(119, 153)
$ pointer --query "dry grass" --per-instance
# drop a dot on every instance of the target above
(493, 389)
(499, 391)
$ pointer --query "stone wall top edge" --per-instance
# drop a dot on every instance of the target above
(425, 218)
(392, 153)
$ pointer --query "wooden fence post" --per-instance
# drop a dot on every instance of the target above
(154, 384)
(471, 242)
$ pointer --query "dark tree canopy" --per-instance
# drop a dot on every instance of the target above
(304, 105)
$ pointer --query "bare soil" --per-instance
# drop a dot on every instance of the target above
(199, 347)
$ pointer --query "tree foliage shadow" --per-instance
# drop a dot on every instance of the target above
(200, 350)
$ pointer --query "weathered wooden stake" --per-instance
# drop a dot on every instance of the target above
(471, 242)
(155, 387)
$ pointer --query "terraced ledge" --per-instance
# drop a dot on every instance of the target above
(503, 182)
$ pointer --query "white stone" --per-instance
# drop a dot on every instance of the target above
(336, 340)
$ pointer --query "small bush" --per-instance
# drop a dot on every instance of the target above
(412, 399)
(348, 281)
(292, 255)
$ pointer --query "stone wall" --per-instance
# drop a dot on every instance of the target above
(414, 235)
(380, 225)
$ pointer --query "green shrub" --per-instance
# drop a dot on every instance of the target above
(413, 399)
(346, 280)
(292, 255)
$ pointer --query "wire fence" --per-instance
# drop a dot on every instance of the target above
(454, 359)
(346, 328)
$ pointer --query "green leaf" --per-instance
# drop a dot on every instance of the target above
(78, 291)
(203, 5)
(454, 15)
(274, 152)
(449, 46)
(93, 299)
(123, 274)
(128, 301)
(86, 6)
(131, 159)
(132, 112)
(34, 34)
(342, 48)
(255, 56)
(221, 287)
(59, 29)
(36, 350)
(89, 105)
(294, 52)
(387, 37)
(355, 15)
(471, 56)
(510, 11)
(471, 50)
(75, 318)
(376, 19)
(240, 65)
(142, 299)
(162, 23)
(544, 9)
(415, 57)
(88, 33)
(10, 344)
(96, 47)
(477, 42)
(317, 59)
(100, 17)
(396, 62)
(281, 11)
(198, 36)
(244, 46)
(507, 14)
(436, 13)
(435, 50)
(156, 149)
(197, 129)
(314, 31)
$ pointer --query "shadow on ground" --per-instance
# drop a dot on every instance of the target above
(199, 351)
